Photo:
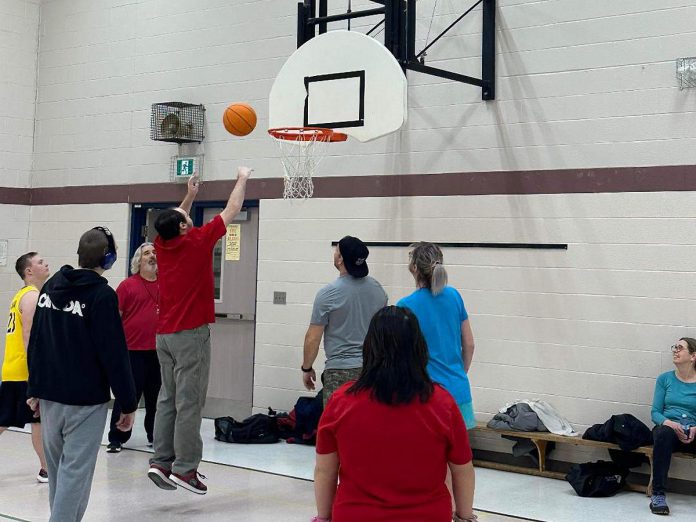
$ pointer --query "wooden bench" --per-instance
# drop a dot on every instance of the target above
(541, 440)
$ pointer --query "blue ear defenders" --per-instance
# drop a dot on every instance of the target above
(110, 255)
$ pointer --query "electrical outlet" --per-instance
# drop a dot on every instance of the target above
(279, 298)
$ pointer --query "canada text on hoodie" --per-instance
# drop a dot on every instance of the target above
(77, 348)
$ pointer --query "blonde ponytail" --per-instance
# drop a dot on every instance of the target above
(438, 280)
(426, 262)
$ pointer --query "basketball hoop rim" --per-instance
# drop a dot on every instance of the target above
(307, 134)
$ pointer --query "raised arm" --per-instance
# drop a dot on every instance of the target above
(191, 192)
(234, 204)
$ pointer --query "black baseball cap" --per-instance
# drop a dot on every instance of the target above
(354, 254)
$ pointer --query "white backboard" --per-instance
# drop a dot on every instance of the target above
(341, 80)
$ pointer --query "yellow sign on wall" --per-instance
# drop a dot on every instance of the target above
(232, 242)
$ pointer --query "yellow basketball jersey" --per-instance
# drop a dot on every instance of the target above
(14, 367)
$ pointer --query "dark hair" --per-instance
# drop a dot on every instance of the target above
(690, 345)
(428, 261)
(91, 249)
(167, 223)
(23, 262)
(394, 359)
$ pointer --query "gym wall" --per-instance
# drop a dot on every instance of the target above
(18, 46)
(584, 90)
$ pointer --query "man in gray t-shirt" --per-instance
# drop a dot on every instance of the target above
(341, 314)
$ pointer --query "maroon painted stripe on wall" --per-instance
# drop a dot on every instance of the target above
(626, 179)
(15, 196)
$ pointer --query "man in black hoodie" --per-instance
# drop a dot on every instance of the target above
(77, 351)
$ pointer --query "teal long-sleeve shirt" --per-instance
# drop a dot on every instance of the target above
(674, 400)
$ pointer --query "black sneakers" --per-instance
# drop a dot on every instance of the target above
(114, 447)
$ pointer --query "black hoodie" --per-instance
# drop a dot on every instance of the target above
(77, 348)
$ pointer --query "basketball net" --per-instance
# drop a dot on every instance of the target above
(301, 150)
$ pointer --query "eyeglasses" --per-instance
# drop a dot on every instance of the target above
(676, 348)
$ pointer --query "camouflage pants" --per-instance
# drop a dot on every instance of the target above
(334, 379)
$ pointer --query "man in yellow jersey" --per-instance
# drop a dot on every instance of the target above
(14, 411)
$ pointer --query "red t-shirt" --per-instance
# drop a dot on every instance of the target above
(393, 459)
(137, 301)
(185, 271)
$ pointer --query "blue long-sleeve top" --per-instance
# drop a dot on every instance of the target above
(674, 400)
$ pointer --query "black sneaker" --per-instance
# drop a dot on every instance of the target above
(658, 505)
(114, 447)
(42, 477)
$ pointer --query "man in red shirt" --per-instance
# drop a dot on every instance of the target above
(185, 270)
(138, 303)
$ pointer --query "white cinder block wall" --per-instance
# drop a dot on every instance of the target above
(18, 46)
(14, 228)
(587, 329)
(579, 85)
(55, 231)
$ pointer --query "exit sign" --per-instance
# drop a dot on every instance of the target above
(185, 167)
(181, 168)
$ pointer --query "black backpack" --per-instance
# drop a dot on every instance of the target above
(597, 479)
(307, 412)
(257, 429)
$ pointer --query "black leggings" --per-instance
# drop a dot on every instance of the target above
(665, 442)
(146, 375)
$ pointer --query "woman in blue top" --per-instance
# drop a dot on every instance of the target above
(674, 413)
(445, 325)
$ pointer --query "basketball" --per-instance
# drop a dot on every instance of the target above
(239, 119)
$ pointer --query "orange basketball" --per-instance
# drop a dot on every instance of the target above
(239, 119)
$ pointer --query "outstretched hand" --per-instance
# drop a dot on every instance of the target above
(194, 183)
(244, 172)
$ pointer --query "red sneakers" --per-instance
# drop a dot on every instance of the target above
(161, 477)
(190, 481)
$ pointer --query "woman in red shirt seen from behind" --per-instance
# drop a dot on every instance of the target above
(391, 435)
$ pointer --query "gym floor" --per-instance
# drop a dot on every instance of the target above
(259, 483)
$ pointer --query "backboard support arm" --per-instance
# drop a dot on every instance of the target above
(400, 36)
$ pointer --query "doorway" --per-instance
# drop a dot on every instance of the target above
(235, 260)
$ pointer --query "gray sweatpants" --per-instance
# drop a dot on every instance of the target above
(71, 439)
(185, 365)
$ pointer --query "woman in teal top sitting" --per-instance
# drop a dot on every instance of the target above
(674, 413)
(445, 325)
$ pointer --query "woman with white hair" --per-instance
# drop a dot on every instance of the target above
(138, 303)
